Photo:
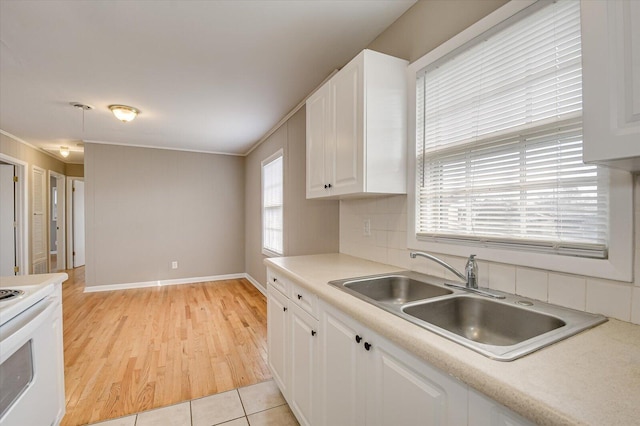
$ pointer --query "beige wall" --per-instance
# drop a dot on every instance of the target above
(148, 207)
(311, 226)
(74, 170)
(428, 24)
(19, 151)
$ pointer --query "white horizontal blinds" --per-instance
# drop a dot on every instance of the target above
(272, 199)
(499, 141)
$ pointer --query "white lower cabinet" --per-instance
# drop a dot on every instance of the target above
(304, 361)
(292, 342)
(278, 345)
(368, 380)
(486, 412)
(334, 371)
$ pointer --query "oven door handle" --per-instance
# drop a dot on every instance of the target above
(19, 330)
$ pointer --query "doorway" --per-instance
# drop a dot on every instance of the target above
(75, 219)
(13, 217)
(57, 240)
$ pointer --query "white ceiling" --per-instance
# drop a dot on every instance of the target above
(211, 76)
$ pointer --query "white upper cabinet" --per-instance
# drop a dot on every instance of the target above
(611, 82)
(356, 129)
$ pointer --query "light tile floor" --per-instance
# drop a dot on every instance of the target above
(256, 405)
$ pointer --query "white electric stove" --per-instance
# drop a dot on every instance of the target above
(31, 350)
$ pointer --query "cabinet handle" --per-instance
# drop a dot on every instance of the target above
(367, 345)
(313, 333)
(275, 279)
(329, 185)
(358, 339)
(284, 309)
(326, 186)
(299, 297)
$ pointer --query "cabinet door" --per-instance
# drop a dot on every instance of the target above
(611, 82)
(304, 359)
(485, 412)
(342, 393)
(277, 337)
(348, 110)
(405, 391)
(319, 142)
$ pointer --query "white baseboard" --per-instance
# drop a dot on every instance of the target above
(161, 283)
(256, 284)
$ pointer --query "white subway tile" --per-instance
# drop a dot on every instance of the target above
(380, 238)
(609, 298)
(455, 261)
(397, 240)
(379, 222)
(502, 277)
(483, 273)
(397, 222)
(397, 204)
(370, 205)
(369, 252)
(399, 258)
(532, 283)
(567, 290)
(382, 205)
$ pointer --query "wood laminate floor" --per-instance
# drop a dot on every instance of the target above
(128, 351)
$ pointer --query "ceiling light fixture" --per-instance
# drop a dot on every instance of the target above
(64, 151)
(124, 113)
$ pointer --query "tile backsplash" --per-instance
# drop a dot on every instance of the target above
(387, 243)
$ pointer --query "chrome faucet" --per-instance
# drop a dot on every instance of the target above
(470, 278)
(471, 270)
(460, 275)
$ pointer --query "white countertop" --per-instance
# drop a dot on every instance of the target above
(591, 378)
(17, 281)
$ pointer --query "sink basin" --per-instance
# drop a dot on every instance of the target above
(501, 329)
(485, 321)
(395, 289)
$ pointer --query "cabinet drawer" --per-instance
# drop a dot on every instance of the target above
(304, 299)
(278, 282)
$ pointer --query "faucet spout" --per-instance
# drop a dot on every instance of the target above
(459, 274)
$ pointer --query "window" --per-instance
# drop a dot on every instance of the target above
(498, 144)
(272, 202)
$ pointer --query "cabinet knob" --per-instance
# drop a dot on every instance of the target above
(326, 186)
(367, 345)
(284, 309)
(299, 297)
(275, 279)
(329, 185)
(358, 339)
(313, 333)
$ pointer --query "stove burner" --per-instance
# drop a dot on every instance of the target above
(6, 295)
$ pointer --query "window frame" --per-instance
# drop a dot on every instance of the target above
(618, 265)
(267, 251)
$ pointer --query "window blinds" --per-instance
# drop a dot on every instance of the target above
(272, 220)
(499, 141)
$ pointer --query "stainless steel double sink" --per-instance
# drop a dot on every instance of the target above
(504, 329)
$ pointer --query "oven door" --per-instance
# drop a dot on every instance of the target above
(29, 364)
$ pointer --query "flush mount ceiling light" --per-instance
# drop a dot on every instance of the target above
(124, 113)
(64, 151)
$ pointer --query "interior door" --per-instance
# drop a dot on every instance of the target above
(57, 243)
(7, 220)
(78, 223)
(39, 252)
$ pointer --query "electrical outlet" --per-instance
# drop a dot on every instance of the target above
(174, 264)
(367, 227)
